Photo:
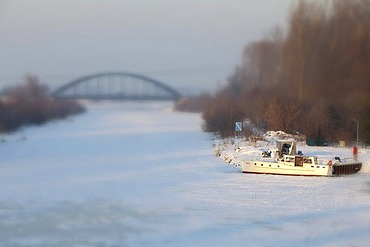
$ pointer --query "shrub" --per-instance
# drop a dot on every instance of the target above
(220, 116)
(193, 104)
(29, 104)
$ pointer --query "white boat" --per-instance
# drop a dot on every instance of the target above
(289, 165)
(285, 161)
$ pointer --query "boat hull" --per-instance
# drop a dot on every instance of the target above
(277, 168)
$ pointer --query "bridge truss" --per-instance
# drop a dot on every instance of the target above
(117, 86)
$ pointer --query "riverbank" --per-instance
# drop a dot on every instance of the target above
(139, 174)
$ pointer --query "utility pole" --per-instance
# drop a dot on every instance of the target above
(357, 130)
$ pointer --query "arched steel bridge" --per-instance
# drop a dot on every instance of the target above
(116, 86)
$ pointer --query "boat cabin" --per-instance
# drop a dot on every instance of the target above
(296, 160)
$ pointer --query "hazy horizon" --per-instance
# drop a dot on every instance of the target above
(190, 45)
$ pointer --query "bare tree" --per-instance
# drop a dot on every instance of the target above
(313, 79)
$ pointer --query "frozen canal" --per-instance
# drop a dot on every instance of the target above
(130, 174)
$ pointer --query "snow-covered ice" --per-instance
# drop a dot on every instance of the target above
(139, 174)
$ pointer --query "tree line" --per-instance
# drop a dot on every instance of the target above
(312, 78)
(30, 104)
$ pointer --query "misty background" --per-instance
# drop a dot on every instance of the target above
(190, 45)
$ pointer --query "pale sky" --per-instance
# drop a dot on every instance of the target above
(188, 44)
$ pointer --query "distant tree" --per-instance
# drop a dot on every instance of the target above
(315, 76)
(282, 114)
(221, 115)
(30, 104)
(262, 62)
(193, 104)
(364, 118)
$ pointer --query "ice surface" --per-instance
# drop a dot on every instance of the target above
(139, 174)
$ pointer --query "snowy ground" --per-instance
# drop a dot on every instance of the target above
(130, 174)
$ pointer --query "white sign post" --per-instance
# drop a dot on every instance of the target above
(238, 128)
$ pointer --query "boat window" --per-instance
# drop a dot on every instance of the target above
(316, 161)
(289, 159)
(307, 160)
(298, 161)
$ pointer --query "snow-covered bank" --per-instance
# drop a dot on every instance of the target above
(235, 151)
(129, 174)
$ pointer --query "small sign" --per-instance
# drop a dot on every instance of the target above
(238, 126)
